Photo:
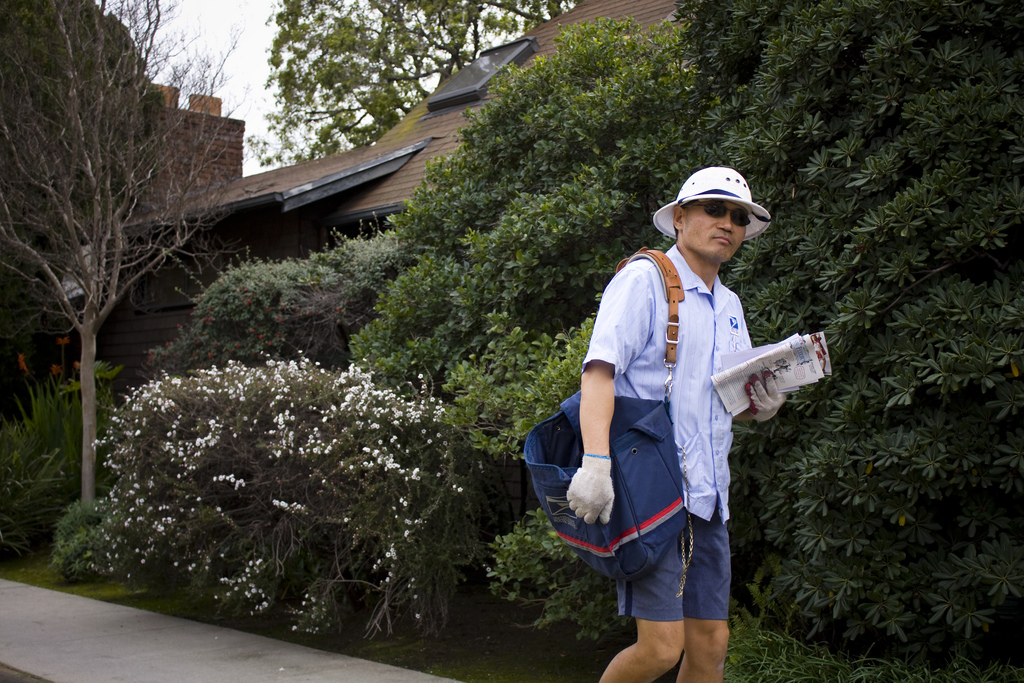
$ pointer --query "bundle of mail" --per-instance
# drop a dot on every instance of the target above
(796, 361)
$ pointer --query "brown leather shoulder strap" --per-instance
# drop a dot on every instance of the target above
(673, 294)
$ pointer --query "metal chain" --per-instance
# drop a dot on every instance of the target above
(687, 553)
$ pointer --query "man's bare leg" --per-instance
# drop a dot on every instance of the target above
(707, 642)
(657, 649)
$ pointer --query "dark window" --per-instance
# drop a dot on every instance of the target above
(469, 85)
(171, 288)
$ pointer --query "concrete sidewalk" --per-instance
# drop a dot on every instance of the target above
(64, 638)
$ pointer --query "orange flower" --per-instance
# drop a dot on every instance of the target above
(63, 341)
(21, 363)
(56, 369)
(77, 366)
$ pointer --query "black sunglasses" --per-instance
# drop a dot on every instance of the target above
(716, 209)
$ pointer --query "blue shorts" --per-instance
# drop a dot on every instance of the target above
(706, 595)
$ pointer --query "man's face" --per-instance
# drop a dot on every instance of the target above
(708, 239)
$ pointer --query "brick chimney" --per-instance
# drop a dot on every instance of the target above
(170, 96)
(221, 138)
(207, 147)
(204, 104)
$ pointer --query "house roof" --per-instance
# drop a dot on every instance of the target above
(376, 180)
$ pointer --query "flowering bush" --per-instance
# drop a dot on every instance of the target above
(285, 309)
(287, 477)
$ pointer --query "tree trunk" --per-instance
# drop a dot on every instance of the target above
(88, 380)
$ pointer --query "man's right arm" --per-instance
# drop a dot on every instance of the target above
(591, 493)
(620, 331)
(597, 404)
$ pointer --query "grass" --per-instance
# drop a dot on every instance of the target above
(756, 656)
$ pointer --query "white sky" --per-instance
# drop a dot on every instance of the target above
(244, 95)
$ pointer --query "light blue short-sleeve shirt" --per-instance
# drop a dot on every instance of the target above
(629, 333)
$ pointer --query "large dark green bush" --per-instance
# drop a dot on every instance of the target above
(288, 479)
(887, 139)
(258, 310)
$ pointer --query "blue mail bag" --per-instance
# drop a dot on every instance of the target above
(647, 515)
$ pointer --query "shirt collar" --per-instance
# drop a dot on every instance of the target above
(687, 277)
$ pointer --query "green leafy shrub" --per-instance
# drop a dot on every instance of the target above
(886, 139)
(291, 479)
(79, 544)
(285, 309)
(553, 183)
(764, 606)
(519, 381)
(531, 564)
(364, 267)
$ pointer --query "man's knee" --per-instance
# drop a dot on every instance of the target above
(661, 644)
(707, 641)
(718, 638)
(662, 656)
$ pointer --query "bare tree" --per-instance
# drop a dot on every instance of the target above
(99, 178)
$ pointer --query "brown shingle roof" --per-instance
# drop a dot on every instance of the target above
(274, 186)
(444, 128)
(432, 136)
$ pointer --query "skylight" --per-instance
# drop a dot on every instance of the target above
(469, 85)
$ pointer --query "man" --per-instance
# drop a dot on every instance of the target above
(711, 217)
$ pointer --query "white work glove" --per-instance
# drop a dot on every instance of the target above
(590, 492)
(765, 398)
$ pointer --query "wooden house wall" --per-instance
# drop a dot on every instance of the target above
(134, 328)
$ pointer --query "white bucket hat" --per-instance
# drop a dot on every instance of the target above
(715, 182)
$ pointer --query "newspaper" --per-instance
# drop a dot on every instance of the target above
(796, 361)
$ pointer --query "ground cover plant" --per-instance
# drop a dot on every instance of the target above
(757, 654)
(291, 479)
